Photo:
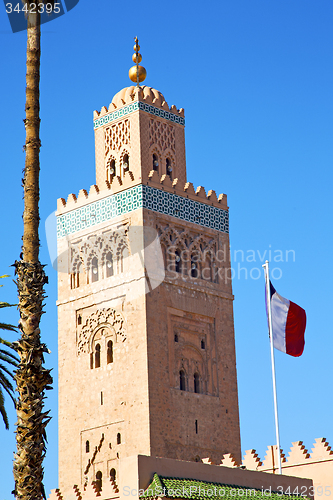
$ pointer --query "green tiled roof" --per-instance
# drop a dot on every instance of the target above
(172, 487)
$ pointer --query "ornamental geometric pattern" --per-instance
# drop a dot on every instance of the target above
(130, 108)
(102, 317)
(142, 196)
(162, 134)
(117, 136)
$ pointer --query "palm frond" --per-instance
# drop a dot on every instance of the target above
(10, 328)
(3, 410)
(4, 380)
(13, 356)
(6, 304)
(7, 360)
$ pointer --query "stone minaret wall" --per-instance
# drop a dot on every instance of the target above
(130, 402)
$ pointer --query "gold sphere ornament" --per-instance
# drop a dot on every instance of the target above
(136, 47)
(135, 56)
(133, 73)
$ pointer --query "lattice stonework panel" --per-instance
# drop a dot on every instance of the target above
(162, 135)
(117, 136)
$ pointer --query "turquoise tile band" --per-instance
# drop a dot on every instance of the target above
(130, 108)
(142, 196)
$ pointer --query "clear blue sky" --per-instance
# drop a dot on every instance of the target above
(255, 79)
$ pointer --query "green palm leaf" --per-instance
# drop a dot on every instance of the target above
(7, 360)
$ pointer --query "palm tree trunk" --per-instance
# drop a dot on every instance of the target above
(31, 377)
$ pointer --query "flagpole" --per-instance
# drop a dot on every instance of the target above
(268, 295)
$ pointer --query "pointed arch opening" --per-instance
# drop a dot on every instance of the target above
(113, 474)
(98, 481)
(94, 270)
(155, 162)
(182, 380)
(109, 352)
(178, 261)
(125, 163)
(97, 356)
(109, 265)
(196, 383)
(111, 170)
(168, 167)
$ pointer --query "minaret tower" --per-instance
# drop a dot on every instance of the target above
(146, 335)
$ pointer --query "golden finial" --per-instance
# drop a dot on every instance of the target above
(137, 73)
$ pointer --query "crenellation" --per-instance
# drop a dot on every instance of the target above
(83, 195)
(251, 460)
(229, 461)
(189, 188)
(208, 461)
(222, 199)
(201, 193)
(211, 196)
(61, 203)
(103, 111)
(94, 190)
(165, 106)
(166, 181)
(71, 199)
(321, 450)
(298, 453)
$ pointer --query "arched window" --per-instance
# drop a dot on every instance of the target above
(176, 337)
(87, 447)
(109, 352)
(77, 275)
(155, 162)
(113, 474)
(94, 270)
(79, 319)
(207, 270)
(126, 163)
(203, 344)
(97, 355)
(111, 170)
(118, 438)
(98, 481)
(182, 380)
(168, 167)
(194, 266)
(109, 264)
(196, 383)
(196, 427)
(178, 262)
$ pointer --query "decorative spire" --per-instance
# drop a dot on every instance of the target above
(137, 73)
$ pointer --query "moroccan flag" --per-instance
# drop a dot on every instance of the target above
(288, 324)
